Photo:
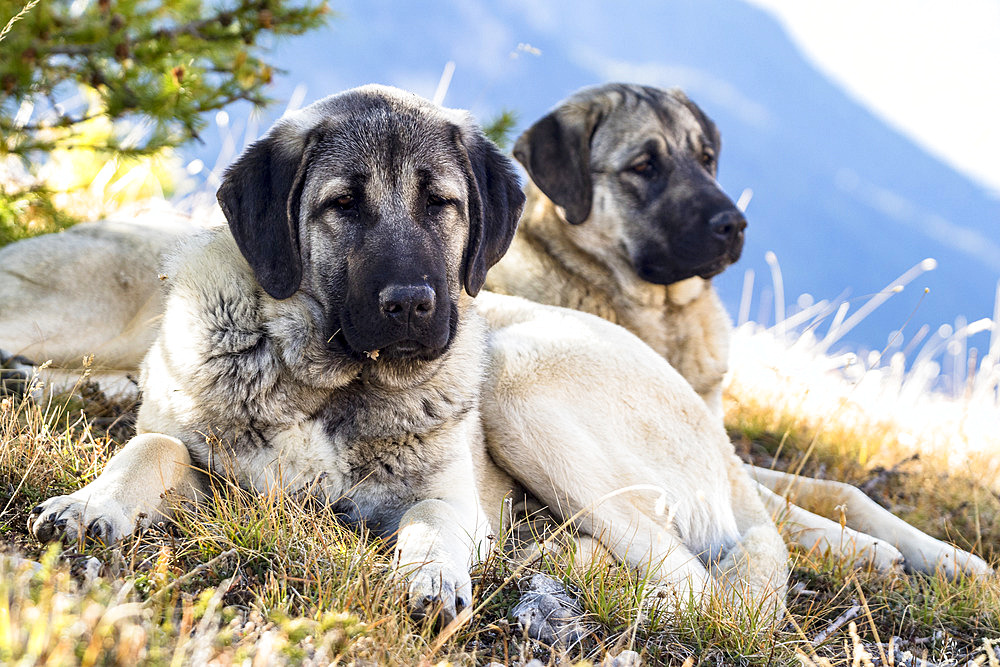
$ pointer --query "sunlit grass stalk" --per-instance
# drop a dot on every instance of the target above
(17, 17)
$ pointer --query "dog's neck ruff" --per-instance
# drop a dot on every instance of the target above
(544, 225)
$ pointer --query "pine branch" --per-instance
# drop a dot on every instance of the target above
(166, 62)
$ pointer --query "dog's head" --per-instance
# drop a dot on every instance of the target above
(639, 164)
(379, 207)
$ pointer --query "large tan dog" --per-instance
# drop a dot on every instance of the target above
(624, 219)
(328, 340)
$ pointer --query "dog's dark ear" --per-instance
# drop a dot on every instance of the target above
(556, 153)
(260, 195)
(495, 203)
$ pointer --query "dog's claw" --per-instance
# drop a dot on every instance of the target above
(437, 593)
(98, 529)
(43, 531)
(68, 518)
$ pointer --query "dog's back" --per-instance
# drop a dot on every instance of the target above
(91, 290)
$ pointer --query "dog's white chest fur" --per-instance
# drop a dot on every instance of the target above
(369, 481)
(246, 383)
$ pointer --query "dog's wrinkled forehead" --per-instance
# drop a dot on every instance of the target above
(376, 130)
(646, 117)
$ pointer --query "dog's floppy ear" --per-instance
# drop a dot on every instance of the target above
(556, 153)
(260, 195)
(495, 203)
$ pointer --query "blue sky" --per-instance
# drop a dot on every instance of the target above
(851, 186)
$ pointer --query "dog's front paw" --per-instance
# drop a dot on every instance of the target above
(436, 589)
(77, 515)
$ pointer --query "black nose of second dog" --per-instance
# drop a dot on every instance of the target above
(726, 226)
(407, 302)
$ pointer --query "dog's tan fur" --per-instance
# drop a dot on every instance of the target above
(425, 450)
(551, 262)
(585, 266)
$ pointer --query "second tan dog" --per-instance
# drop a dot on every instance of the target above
(624, 219)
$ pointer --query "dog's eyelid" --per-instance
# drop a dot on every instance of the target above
(707, 157)
(345, 202)
(643, 164)
(436, 202)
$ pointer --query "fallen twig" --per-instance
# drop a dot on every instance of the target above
(198, 569)
(836, 625)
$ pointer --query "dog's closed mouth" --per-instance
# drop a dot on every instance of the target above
(713, 269)
(406, 349)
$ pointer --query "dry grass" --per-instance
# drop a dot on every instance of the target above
(268, 578)
(931, 458)
(274, 580)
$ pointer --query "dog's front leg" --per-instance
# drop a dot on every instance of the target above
(128, 494)
(755, 569)
(439, 539)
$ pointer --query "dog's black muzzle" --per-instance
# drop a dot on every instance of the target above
(403, 320)
(398, 307)
(703, 236)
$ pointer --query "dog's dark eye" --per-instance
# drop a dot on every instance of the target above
(644, 167)
(435, 203)
(707, 159)
(344, 203)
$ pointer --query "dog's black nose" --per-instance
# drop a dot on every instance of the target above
(727, 225)
(403, 302)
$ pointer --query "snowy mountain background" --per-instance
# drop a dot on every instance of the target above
(846, 202)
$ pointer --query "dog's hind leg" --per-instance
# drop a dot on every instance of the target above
(603, 431)
(813, 532)
(755, 569)
(129, 494)
(920, 551)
